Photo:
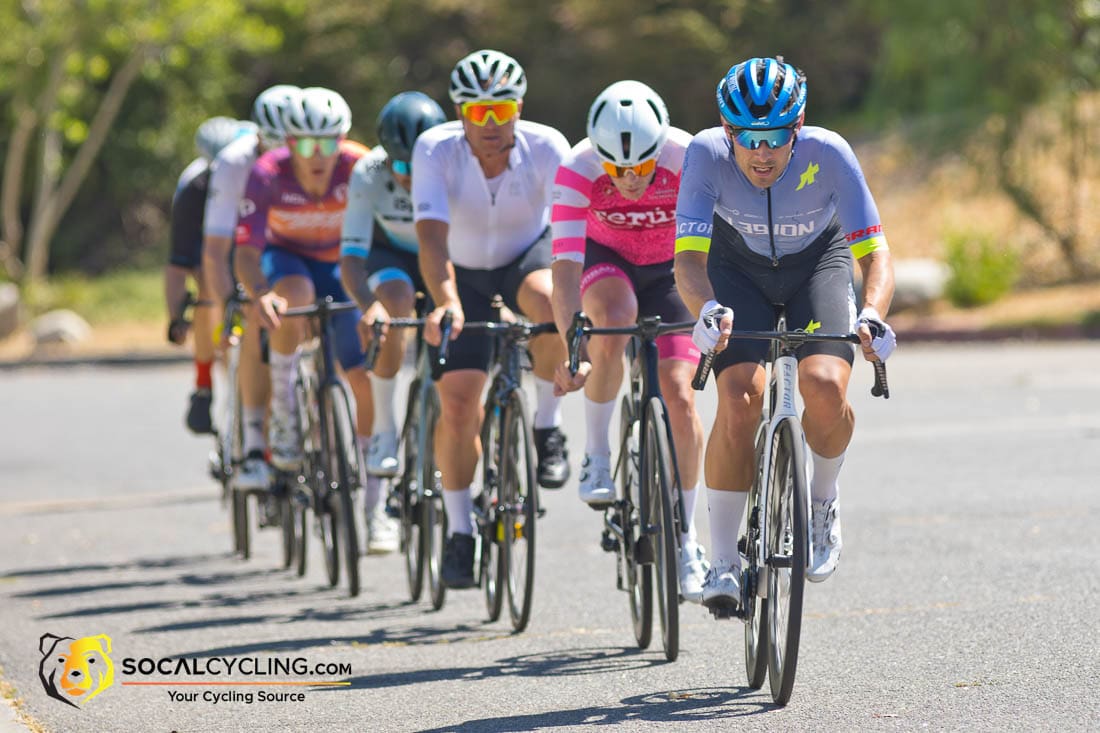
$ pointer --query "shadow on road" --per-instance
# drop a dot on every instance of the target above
(156, 563)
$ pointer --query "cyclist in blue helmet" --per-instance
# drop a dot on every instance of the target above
(772, 212)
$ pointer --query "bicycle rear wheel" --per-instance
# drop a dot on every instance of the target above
(520, 498)
(638, 571)
(494, 515)
(786, 533)
(656, 491)
(433, 520)
(409, 507)
(285, 497)
(343, 452)
(300, 494)
(241, 539)
(756, 611)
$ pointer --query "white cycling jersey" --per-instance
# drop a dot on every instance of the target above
(375, 196)
(228, 176)
(487, 229)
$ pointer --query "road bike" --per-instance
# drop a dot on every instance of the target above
(643, 525)
(776, 542)
(328, 479)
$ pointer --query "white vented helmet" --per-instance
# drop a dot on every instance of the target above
(317, 111)
(267, 113)
(628, 123)
(217, 132)
(487, 75)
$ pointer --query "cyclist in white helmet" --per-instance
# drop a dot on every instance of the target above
(481, 197)
(378, 266)
(288, 251)
(228, 175)
(614, 234)
(185, 260)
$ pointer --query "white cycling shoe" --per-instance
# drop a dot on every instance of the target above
(285, 442)
(826, 538)
(596, 487)
(693, 571)
(254, 473)
(381, 532)
(382, 455)
(722, 587)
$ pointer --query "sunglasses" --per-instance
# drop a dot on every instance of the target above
(307, 146)
(480, 112)
(402, 167)
(641, 170)
(775, 137)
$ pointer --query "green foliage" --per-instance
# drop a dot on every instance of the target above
(982, 269)
(116, 297)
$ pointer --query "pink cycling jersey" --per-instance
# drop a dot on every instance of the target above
(588, 206)
(276, 210)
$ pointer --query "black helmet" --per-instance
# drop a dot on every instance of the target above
(403, 119)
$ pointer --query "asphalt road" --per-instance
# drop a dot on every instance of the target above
(967, 597)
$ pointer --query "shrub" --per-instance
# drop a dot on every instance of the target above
(982, 270)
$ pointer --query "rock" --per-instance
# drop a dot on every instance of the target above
(10, 309)
(918, 282)
(60, 327)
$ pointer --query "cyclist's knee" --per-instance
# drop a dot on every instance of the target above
(397, 297)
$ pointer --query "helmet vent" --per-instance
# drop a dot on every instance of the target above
(625, 137)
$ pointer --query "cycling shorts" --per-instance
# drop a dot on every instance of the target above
(814, 285)
(386, 263)
(654, 287)
(476, 289)
(279, 263)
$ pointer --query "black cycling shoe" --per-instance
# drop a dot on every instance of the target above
(553, 469)
(198, 415)
(458, 561)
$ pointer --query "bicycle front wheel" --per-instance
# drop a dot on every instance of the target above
(637, 562)
(520, 498)
(756, 610)
(493, 515)
(343, 452)
(786, 559)
(433, 520)
(411, 543)
(656, 492)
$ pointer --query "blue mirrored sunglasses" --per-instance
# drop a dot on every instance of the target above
(775, 137)
(402, 167)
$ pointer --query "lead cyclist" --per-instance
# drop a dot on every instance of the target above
(773, 212)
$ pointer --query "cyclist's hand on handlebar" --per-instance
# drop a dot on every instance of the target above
(712, 330)
(433, 334)
(376, 312)
(270, 305)
(177, 330)
(566, 382)
(876, 337)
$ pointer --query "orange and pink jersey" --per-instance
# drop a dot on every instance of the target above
(276, 210)
(588, 206)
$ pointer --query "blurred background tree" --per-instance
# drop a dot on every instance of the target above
(101, 97)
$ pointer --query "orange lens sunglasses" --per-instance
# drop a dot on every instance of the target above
(641, 170)
(501, 112)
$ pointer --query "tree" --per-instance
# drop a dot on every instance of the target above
(73, 63)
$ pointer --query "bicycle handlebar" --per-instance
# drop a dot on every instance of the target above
(646, 327)
(376, 340)
(706, 362)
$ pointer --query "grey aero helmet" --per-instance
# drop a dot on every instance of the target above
(217, 132)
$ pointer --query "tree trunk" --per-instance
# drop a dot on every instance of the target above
(55, 202)
(11, 189)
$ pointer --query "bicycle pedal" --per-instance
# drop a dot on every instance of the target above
(723, 610)
(609, 543)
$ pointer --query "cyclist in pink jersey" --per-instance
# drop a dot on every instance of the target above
(288, 251)
(614, 231)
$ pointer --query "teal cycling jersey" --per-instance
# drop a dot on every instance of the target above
(823, 180)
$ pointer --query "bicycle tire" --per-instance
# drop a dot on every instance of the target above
(241, 538)
(433, 520)
(411, 544)
(345, 464)
(786, 532)
(756, 627)
(301, 526)
(286, 519)
(657, 489)
(638, 575)
(491, 522)
(230, 431)
(520, 496)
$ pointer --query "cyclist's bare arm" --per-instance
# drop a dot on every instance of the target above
(566, 295)
(353, 276)
(692, 281)
(878, 292)
(175, 294)
(251, 275)
(216, 267)
(439, 276)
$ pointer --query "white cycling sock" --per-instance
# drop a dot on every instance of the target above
(597, 421)
(383, 389)
(282, 382)
(372, 493)
(823, 485)
(363, 441)
(691, 496)
(254, 438)
(547, 405)
(459, 504)
(726, 510)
